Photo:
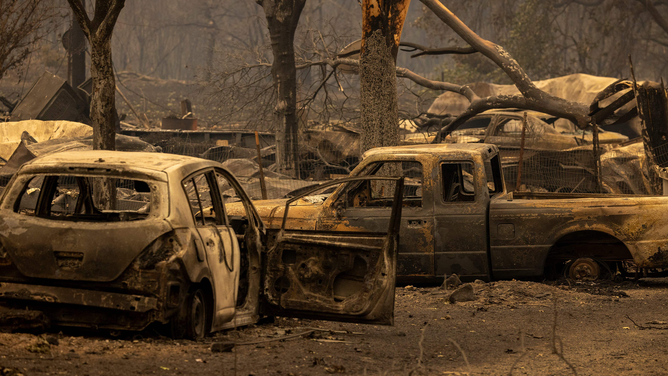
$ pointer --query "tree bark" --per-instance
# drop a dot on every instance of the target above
(103, 100)
(282, 19)
(98, 31)
(381, 31)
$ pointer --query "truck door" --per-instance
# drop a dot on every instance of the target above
(335, 275)
(220, 246)
(367, 206)
(460, 212)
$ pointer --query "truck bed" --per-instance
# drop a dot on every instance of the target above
(554, 195)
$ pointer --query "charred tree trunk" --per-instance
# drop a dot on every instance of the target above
(103, 100)
(381, 28)
(282, 19)
(76, 54)
(98, 31)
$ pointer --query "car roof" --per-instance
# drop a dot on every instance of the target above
(145, 162)
(435, 149)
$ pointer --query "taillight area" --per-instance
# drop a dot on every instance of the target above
(161, 249)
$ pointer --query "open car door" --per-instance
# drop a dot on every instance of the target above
(334, 275)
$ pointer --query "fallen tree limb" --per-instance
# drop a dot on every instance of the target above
(534, 98)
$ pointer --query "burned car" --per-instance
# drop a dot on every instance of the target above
(120, 240)
(543, 132)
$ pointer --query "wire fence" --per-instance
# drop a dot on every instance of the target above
(623, 170)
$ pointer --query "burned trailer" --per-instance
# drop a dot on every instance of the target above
(121, 240)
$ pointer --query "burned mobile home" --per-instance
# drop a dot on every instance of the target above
(458, 218)
(153, 254)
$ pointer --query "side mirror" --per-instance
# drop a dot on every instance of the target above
(339, 208)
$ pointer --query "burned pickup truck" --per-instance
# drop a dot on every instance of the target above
(117, 241)
(458, 218)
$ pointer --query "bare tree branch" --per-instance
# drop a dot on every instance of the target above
(456, 50)
(658, 18)
(437, 85)
(81, 16)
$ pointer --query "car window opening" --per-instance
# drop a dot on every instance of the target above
(458, 185)
(380, 193)
(85, 198)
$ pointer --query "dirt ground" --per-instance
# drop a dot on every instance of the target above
(508, 329)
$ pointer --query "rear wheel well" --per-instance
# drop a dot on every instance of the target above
(586, 247)
(589, 243)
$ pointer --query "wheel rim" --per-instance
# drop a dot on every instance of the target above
(584, 269)
(198, 314)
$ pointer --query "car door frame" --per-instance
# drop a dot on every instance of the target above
(455, 250)
(417, 224)
(211, 245)
(308, 294)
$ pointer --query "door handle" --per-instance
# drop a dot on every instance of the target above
(416, 223)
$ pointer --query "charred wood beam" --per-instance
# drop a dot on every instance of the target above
(608, 111)
(615, 87)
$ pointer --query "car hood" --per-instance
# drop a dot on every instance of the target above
(82, 251)
(303, 213)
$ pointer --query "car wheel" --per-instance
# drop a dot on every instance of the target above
(191, 322)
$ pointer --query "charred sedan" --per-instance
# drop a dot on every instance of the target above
(117, 241)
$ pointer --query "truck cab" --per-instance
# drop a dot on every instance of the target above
(444, 222)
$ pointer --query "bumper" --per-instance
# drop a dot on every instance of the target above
(65, 295)
(83, 308)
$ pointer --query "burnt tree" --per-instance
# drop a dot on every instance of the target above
(282, 19)
(23, 23)
(98, 31)
(381, 30)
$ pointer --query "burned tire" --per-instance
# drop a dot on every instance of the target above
(192, 320)
(584, 269)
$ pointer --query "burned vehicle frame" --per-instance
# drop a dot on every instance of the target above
(163, 249)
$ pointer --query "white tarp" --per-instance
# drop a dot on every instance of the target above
(578, 87)
(10, 132)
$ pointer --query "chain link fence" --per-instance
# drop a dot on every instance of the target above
(623, 170)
